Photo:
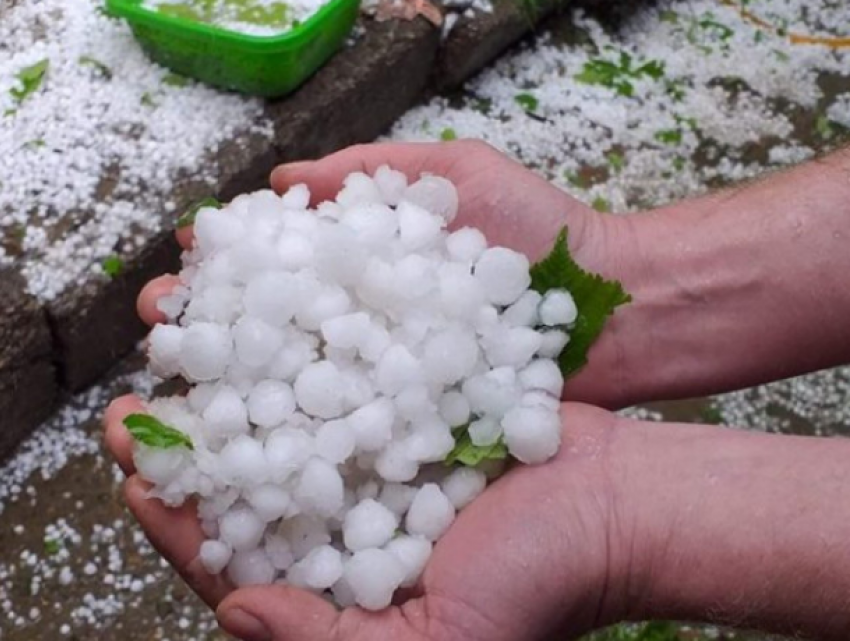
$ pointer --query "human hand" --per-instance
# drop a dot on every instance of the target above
(629, 521)
(544, 549)
(514, 208)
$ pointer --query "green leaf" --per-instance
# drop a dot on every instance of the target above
(616, 160)
(448, 134)
(151, 432)
(723, 32)
(601, 205)
(30, 78)
(711, 415)
(823, 126)
(175, 80)
(595, 298)
(35, 144)
(52, 546)
(188, 218)
(675, 90)
(482, 105)
(467, 453)
(527, 101)
(654, 69)
(112, 265)
(598, 72)
(669, 136)
(147, 100)
(101, 68)
(625, 88)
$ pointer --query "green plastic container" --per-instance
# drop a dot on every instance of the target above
(268, 66)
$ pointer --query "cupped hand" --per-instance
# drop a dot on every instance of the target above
(543, 550)
(535, 553)
(514, 208)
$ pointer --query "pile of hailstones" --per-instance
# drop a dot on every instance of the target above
(331, 353)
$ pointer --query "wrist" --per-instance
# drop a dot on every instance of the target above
(737, 528)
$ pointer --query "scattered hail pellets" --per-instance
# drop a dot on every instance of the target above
(338, 356)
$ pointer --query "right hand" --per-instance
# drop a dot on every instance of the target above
(513, 207)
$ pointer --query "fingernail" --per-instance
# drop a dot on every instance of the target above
(244, 626)
(292, 166)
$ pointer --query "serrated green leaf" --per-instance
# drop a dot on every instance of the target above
(465, 452)
(188, 218)
(595, 298)
(30, 79)
(149, 431)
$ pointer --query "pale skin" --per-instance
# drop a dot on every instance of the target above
(631, 520)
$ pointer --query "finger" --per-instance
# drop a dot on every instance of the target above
(117, 438)
(279, 612)
(185, 236)
(150, 295)
(176, 534)
(325, 177)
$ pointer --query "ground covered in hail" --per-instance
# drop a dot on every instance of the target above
(746, 99)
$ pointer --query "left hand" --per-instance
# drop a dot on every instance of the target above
(544, 549)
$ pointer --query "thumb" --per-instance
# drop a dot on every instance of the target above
(277, 613)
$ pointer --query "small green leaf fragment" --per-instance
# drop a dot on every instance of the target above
(112, 265)
(723, 32)
(711, 415)
(575, 179)
(678, 163)
(601, 205)
(102, 69)
(35, 144)
(149, 431)
(467, 453)
(448, 134)
(188, 218)
(616, 161)
(52, 546)
(669, 136)
(823, 126)
(30, 79)
(595, 298)
(654, 69)
(527, 101)
(175, 80)
(147, 100)
(675, 90)
(482, 105)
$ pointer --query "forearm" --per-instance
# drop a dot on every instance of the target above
(745, 529)
(739, 288)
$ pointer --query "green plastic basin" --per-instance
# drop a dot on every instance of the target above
(268, 66)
